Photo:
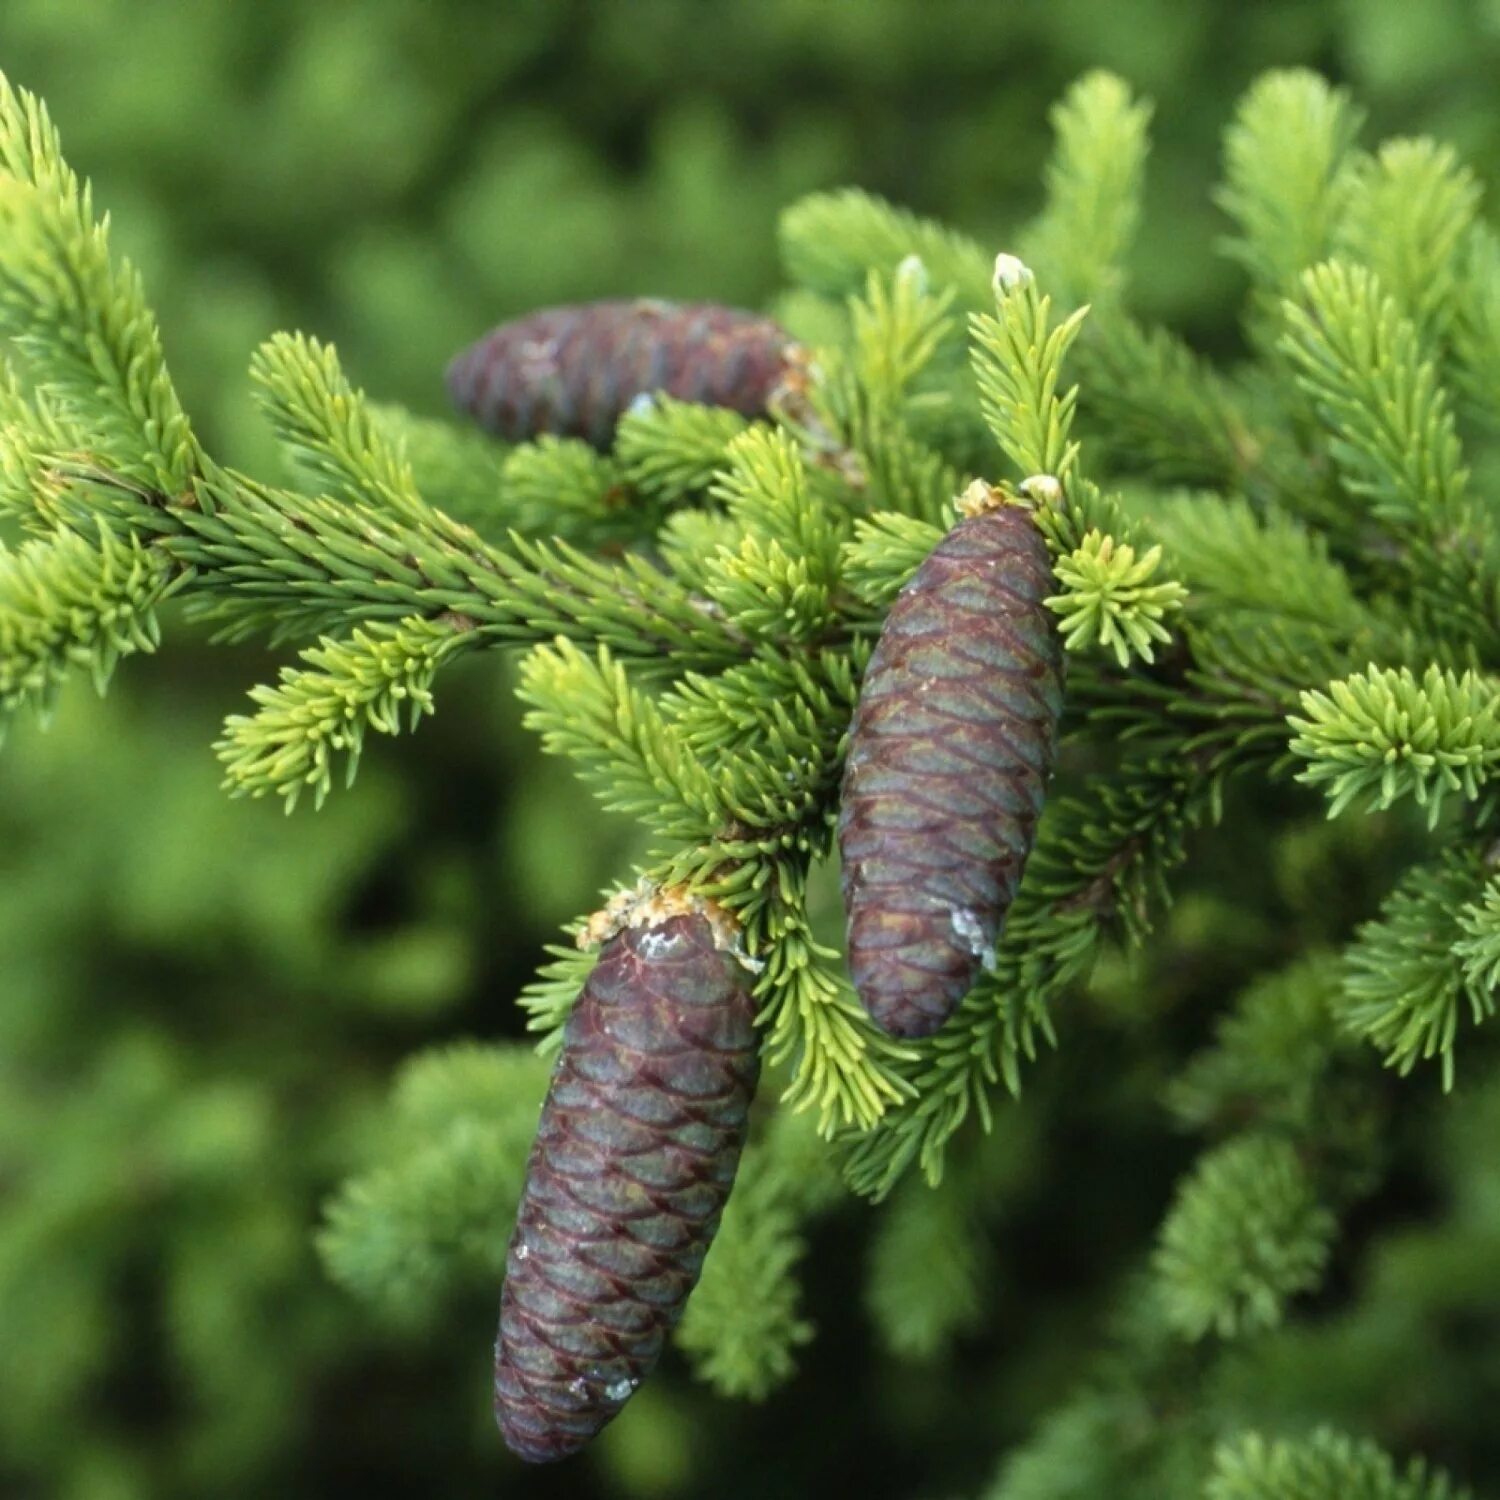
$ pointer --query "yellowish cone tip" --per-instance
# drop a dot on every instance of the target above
(790, 397)
(791, 402)
(1032, 493)
(649, 905)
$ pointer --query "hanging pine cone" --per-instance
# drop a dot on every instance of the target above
(949, 754)
(573, 371)
(635, 1154)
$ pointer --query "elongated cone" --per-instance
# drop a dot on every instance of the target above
(573, 371)
(949, 754)
(639, 1139)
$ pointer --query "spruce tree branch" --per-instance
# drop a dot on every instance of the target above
(457, 470)
(1283, 164)
(1409, 976)
(1018, 357)
(265, 558)
(289, 743)
(1254, 1467)
(71, 602)
(671, 450)
(1094, 181)
(327, 429)
(1476, 334)
(1382, 735)
(1154, 407)
(80, 319)
(1245, 1233)
(1390, 429)
(1407, 211)
(744, 1323)
(585, 707)
(1388, 421)
(830, 241)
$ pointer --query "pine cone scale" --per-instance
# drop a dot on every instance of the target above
(634, 1156)
(949, 753)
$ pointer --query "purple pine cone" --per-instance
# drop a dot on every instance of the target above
(949, 754)
(639, 1139)
(573, 371)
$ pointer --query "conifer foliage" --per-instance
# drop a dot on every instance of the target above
(1285, 572)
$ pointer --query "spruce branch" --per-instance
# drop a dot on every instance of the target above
(1326, 1465)
(927, 1269)
(744, 1322)
(549, 589)
(326, 428)
(549, 995)
(1158, 409)
(1476, 329)
(1244, 1234)
(901, 470)
(671, 450)
(898, 327)
(585, 707)
(690, 538)
(1284, 187)
(789, 708)
(456, 469)
(764, 588)
(437, 1211)
(70, 603)
(1109, 601)
(768, 487)
(1388, 421)
(843, 1069)
(1093, 183)
(1406, 212)
(562, 487)
(702, 671)
(1269, 1053)
(1380, 735)
(1479, 947)
(79, 318)
(1018, 356)
(708, 765)
(35, 431)
(781, 578)
(886, 550)
(1255, 562)
(322, 711)
(830, 241)
(1098, 861)
(1409, 976)
(1087, 1447)
(1269, 610)
(269, 559)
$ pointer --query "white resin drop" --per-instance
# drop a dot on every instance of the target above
(658, 944)
(913, 269)
(1010, 272)
(971, 931)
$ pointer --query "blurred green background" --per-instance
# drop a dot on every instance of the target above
(202, 1002)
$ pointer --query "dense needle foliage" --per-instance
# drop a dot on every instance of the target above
(1271, 572)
